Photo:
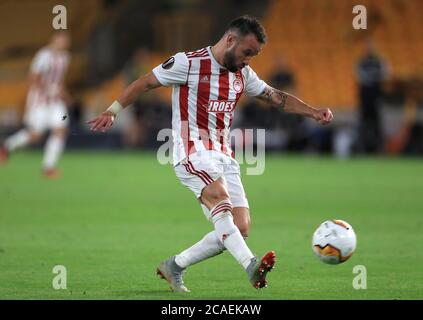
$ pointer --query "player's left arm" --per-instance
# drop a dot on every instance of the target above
(292, 104)
(106, 119)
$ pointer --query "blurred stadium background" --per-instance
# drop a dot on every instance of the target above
(313, 51)
(112, 240)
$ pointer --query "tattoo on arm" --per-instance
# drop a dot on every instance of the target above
(274, 96)
(281, 97)
(267, 93)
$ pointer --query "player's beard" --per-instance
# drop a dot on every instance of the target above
(229, 61)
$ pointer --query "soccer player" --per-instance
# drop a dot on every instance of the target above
(207, 84)
(45, 104)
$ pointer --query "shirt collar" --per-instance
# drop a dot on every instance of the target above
(213, 58)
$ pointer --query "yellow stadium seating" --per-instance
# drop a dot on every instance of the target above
(322, 48)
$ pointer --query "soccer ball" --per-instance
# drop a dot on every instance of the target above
(334, 241)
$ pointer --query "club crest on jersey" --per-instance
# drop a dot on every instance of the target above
(221, 106)
(238, 85)
(168, 63)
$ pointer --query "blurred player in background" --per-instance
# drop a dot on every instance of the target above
(45, 104)
(371, 72)
(207, 84)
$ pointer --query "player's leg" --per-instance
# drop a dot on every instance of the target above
(52, 152)
(20, 139)
(210, 245)
(173, 268)
(241, 215)
(56, 141)
(32, 133)
(242, 220)
(258, 268)
(216, 198)
(192, 175)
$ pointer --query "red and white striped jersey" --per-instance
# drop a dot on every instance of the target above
(203, 100)
(51, 66)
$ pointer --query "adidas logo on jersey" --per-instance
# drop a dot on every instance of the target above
(221, 105)
(205, 79)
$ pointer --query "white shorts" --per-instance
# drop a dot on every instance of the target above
(204, 167)
(44, 117)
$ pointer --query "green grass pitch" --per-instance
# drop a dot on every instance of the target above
(114, 216)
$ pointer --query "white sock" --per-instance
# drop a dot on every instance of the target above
(229, 234)
(207, 247)
(18, 140)
(52, 151)
(206, 211)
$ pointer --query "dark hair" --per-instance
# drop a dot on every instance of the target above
(245, 25)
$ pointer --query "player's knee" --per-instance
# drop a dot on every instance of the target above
(35, 137)
(59, 133)
(214, 194)
(218, 194)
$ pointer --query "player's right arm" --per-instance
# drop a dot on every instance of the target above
(39, 66)
(143, 84)
(173, 71)
(292, 104)
(258, 88)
